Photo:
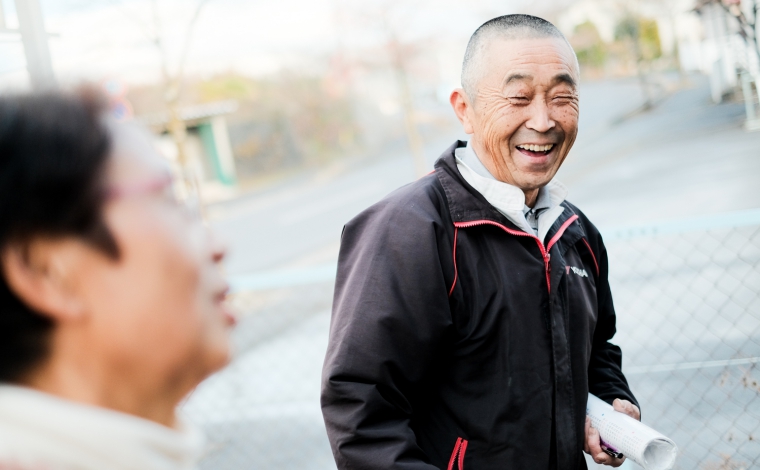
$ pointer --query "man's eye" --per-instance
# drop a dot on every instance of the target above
(519, 98)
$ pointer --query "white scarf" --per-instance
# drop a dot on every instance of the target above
(41, 431)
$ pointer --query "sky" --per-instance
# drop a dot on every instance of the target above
(115, 39)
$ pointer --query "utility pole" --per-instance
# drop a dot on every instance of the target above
(399, 57)
(2, 17)
(407, 105)
(35, 40)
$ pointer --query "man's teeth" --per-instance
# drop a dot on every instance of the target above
(536, 148)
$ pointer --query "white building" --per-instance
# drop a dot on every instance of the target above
(726, 57)
(707, 33)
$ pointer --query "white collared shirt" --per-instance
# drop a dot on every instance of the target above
(42, 431)
(509, 199)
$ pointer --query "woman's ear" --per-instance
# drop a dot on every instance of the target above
(461, 104)
(39, 274)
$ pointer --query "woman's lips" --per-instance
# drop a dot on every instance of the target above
(225, 310)
(228, 316)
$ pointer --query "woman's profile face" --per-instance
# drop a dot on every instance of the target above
(158, 311)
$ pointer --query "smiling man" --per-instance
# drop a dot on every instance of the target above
(472, 311)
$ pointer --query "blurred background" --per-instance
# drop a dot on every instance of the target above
(289, 117)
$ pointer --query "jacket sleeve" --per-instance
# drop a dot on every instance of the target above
(390, 313)
(605, 375)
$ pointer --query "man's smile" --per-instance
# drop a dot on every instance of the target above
(536, 150)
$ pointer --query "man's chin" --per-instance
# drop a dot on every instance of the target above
(534, 177)
(530, 181)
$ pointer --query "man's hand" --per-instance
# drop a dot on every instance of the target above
(593, 446)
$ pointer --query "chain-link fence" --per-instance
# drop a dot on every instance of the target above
(688, 300)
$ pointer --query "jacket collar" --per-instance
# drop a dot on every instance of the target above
(503, 196)
(466, 204)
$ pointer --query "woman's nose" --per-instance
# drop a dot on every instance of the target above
(218, 247)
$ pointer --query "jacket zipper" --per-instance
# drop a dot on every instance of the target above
(544, 250)
(457, 456)
(544, 253)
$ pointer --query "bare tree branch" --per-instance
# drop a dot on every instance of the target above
(188, 37)
(747, 28)
(158, 41)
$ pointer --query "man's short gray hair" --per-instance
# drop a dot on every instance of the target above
(505, 27)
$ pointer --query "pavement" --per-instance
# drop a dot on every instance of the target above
(686, 157)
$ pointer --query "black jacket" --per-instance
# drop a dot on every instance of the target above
(459, 342)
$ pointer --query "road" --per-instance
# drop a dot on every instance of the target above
(685, 157)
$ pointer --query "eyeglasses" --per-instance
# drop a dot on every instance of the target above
(165, 184)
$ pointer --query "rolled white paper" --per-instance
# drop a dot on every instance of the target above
(635, 440)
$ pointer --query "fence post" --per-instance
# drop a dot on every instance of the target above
(752, 123)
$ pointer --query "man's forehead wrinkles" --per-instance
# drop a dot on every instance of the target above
(489, 91)
(533, 65)
(531, 57)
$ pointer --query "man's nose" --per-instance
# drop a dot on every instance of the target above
(540, 118)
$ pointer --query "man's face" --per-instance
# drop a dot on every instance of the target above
(524, 115)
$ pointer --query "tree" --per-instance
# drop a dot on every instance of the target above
(644, 40)
(172, 86)
(588, 45)
(172, 83)
(399, 56)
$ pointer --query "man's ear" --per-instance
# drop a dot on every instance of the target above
(461, 104)
(38, 273)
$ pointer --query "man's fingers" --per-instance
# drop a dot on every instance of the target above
(601, 458)
(593, 444)
(597, 453)
(625, 406)
(595, 447)
(616, 462)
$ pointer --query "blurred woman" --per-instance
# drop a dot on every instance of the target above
(111, 297)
